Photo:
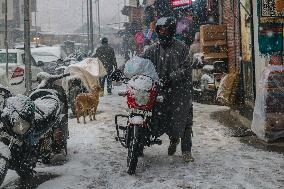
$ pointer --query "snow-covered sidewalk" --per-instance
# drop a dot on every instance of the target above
(97, 161)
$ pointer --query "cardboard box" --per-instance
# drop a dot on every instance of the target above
(213, 32)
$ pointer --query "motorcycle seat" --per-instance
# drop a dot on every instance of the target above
(47, 110)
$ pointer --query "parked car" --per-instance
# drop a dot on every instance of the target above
(51, 58)
(16, 69)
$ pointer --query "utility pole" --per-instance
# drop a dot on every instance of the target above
(99, 18)
(82, 18)
(91, 27)
(6, 38)
(88, 24)
(28, 79)
(36, 35)
(125, 6)
(118, 13)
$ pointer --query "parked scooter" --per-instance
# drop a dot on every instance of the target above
(207, 84)
(137, 133)
(32, 127)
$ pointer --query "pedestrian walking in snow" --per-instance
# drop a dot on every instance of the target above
(174, 115)
(195, 62)
(195, 47)
(106, 55)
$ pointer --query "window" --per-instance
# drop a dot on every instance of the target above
(12, 58)
(3, 8)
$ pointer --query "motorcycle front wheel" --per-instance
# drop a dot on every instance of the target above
(135, 149)
(3, 169)
(5, 155)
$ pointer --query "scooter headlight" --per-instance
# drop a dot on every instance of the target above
(21, 126)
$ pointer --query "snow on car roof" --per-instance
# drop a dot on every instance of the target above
(52, 50)
(11, 51)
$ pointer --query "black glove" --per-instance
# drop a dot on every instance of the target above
(164, 82)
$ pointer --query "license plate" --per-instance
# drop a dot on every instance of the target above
(141, 112)
(12, 139)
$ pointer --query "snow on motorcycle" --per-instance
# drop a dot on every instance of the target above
(32, 127)
(141, 96)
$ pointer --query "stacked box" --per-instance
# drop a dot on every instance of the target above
(213, 39)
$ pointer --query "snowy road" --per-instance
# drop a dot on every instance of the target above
(97, 161)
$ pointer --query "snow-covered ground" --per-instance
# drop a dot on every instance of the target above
(97, 161)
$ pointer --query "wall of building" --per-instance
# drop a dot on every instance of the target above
(10, 14)
(260, 61)
(230, 18)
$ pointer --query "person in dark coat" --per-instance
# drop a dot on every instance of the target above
(173, 116)
(106, 55)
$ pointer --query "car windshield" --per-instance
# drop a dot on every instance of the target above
(45, 57)
(12, 58)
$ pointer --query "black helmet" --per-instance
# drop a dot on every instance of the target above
(104, 40)
(168, 22)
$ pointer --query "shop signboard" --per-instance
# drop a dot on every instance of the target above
(136, 14)
(270, 38)
(271, 11)
(180, 3)
(133, 3)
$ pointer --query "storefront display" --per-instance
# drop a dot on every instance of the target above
(268, 119)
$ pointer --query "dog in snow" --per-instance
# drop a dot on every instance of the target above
(87, 104)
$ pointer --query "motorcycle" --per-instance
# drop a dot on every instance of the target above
(32, 127)
(57, 139)
(138, 133)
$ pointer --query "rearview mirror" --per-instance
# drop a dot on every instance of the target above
(40, 63)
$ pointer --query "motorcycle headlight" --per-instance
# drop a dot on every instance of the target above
(21, 126)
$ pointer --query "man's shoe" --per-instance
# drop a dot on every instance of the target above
(187, 157)
(173, 147)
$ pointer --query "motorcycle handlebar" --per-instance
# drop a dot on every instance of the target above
(48, 79)
(7, 92)
(63, 75)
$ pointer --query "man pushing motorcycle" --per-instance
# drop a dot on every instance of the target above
(174, 115)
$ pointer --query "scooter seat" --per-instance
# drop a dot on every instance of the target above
(208, 68)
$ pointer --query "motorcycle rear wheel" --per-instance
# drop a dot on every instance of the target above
(3, 169)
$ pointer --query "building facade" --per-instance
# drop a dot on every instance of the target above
(15, 20)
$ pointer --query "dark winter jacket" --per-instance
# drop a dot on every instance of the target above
(106, 55)
(172, 65)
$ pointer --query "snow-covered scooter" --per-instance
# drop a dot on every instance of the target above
(210, 79)
(28, 126)
(141, 96)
